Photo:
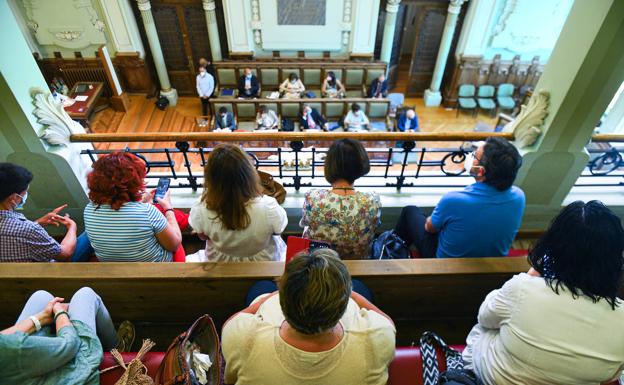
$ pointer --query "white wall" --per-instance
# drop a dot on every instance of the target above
(350, 27)
(512, 27)
(68, 26)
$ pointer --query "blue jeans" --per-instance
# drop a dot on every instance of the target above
(83, 250)
(266, 287)
(86, 306)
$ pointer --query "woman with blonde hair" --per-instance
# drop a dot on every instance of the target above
(237, 222)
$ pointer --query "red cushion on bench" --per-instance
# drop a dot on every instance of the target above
(517, 252)
(406, 368)
(151, 361)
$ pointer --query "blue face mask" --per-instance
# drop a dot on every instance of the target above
(23, 202)
(249, 76)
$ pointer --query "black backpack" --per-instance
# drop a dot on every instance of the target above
(162, 102)
(389, 245)
(288, 125)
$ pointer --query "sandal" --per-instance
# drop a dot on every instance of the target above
(125, 336)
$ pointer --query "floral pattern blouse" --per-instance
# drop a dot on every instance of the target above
(348, 222)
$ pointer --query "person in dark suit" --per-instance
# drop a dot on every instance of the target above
(225, 120)
(310, 118)
(408, 121)
(378, 88)
(248, 86)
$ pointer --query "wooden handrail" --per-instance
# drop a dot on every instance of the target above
(288, 136)
(120, 271)
(608, 138)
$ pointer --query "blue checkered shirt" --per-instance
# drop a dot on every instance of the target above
(22, 240)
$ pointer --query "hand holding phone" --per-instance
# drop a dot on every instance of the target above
(161, 189)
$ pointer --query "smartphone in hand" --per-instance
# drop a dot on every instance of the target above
(161, 189)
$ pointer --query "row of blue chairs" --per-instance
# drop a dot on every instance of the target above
(487, 98)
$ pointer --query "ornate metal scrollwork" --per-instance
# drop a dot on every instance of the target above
(608, 162)
(456, 158)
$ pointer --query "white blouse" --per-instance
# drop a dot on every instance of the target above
(528, 334)
(260, 241)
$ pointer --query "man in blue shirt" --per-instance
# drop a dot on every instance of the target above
(482, 220)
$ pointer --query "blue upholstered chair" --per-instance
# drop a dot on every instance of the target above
(504, 96)
(465, 98)
(485, 99)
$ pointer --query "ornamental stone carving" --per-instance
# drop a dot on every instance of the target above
(392, 6)
(346, 19)
(58, 125)
(527, 125)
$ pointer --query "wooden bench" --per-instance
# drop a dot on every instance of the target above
(162, 299)
(353, 74)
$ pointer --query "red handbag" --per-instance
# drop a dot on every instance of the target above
(175, 368)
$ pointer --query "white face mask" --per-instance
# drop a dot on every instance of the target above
(469, 164)
(202, 74)
(20, 205)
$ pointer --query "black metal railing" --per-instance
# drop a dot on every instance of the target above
(391, 167)
(297, 166)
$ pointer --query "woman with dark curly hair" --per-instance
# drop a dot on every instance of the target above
(560, 323)
(122, 224)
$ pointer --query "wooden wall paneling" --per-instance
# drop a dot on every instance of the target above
(429, 27)
(172, 42)
(75, 70)
(476, 70)
(197, 32)
(393, 68)
(134, 73)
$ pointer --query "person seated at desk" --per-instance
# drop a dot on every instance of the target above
(356, 119)
(22, 240)
(267, 119)
(248, 86)
(292, 88)
(408, 121)
(225, 120)
(379, 87)
(332, 87)
(311, 119)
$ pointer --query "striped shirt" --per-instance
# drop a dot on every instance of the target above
(127, 234)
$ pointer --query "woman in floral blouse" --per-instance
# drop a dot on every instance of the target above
(342, 216)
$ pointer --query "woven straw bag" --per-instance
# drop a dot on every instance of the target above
(135, 371)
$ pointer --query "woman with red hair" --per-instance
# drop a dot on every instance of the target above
(122, 224)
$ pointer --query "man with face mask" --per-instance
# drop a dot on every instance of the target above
(205, 88)
(248, 86)
(22, 240)
(225, 120)
(481, 220)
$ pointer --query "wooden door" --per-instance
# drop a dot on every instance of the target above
(430, 19)
(183, 35)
